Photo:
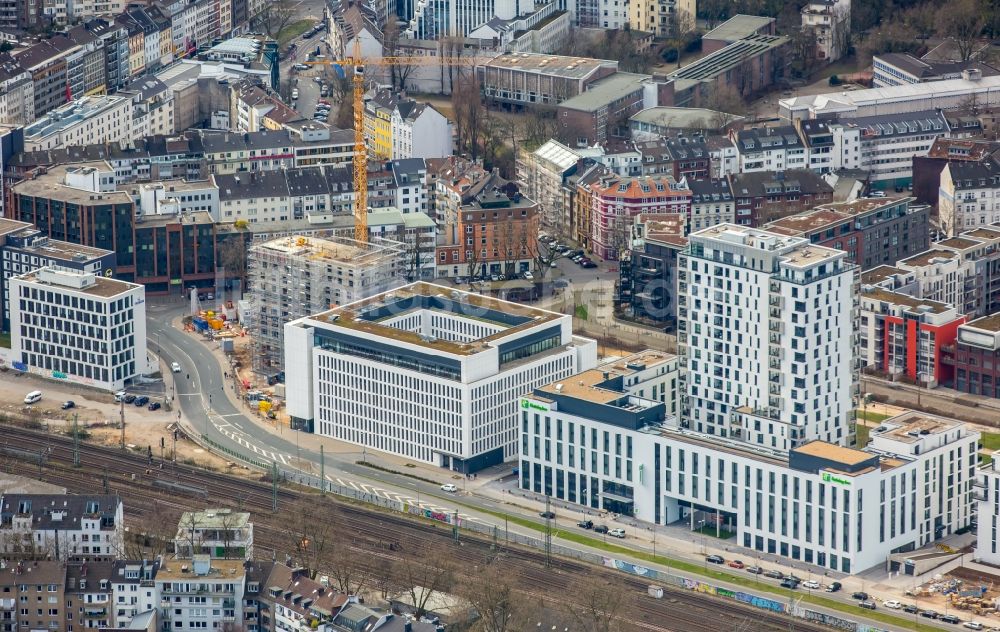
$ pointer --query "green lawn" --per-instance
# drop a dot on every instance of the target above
(581, 312)
(5, 341)
(747, 581)
(293, 30)
(871, 416)
(861, 432)
(991, 440)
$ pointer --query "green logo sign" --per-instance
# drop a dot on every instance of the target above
(830, 478)
(530, 404)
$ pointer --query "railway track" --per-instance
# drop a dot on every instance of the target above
(134, 478)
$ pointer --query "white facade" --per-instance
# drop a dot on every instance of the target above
(986, 493)
(62, 526)
(830, 21)
(76, 326)
(17, 97)
(766, 331)
(436, 379)
(423, 133)
(218, 533)
(201, 593)
(839, 508)
(969, 196)
(92, 120)
(133, 590)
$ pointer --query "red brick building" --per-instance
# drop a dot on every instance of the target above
(976, 357)
(616, 200)
(763, 197)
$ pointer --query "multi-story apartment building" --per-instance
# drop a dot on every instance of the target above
(133, 589)
(712, 203)
(92, 120)
(543, 175)
(647, 283)
(79, 327)
(769, 149)
(88, 71)
(903, 336)
(89, 597)
(419, 131)
(218, 533)
(197, 593)
(61, 527)
(469, 355)
(986, 494)
(291, 600)
(976, 357)
(47, 61)
(778, 386)
(662, 18)
(23, 249)
(927, 169)
(617, 200)
(830, 23)
(42, 582)
(590, 440)
(889, 143)
(17, 93)
(872, 231)
(969, 195)
(495, 231)
(293, 277)
(763, 196)
(379, 107)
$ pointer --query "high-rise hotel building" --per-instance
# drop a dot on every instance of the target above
(766, 337)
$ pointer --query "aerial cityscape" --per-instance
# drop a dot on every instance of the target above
(493, 316)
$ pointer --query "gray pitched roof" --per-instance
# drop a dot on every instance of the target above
(758, 184)
(58, 511)
(711, 190)
(760, 139)
(252, 184)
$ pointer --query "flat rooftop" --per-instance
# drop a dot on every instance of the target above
(864, 205)
(587, 385)
(983, 233)
(605, 91)
(341, 250)
(61, 249)
(8, 226)
(986, 323)
(174, 569)
(738, 27)
(909, 426)
(879, 274)
(731, 56)
(960, 243)
(365, 315)
(833, 452)
(68, 115)
(810, 255)
(805, 223)
(568, 67)
(905, 300)
(683, 117)
(52, 185)
(222, 518)
(103, 287)
(925, 258)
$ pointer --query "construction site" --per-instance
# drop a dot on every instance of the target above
(295, 276)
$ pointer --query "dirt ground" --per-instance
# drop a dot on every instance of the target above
(932, 595)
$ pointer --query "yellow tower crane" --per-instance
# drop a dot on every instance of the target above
(358, 63)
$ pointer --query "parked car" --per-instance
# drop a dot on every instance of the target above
(736, 564)
(601, 528)
(154, 406)
(756, 570)
(119, 396)
(910, 609)
(833, 587)
(548, 515)
(929, 614)
(789, 583)
(66, 405)
(812, 584)
(528, 275)
(715, 559)
(585, 524)
(973, 625)
(301, 67)
(129, 398)
(449, 487)
(774, 574)
(949, 618)
(141, 401)
(588, 264)
(893, 604)
(175, 367)
(860, 596)
(870, 605)
(295, 93)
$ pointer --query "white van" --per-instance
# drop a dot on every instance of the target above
(32, 397)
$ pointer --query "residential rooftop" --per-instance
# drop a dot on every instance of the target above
(960, 243)
(986, 323)
(909, 426)
(75, 281)
(983, 233)
(878, 274)
(68, 115)
(332, 249)
(221, 518)
(173, 569)
(865, 205)
(806, 223)
(904, 300)
(927, 257)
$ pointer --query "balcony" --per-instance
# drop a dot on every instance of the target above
(92, 613)
(774, 301)
(774, 325)
(228, 602)
(774, 363)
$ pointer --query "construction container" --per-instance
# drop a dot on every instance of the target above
(227, 345)
(199, 323)
(215, 324)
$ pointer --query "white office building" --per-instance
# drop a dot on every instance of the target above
(73, 325)
(589, 439)
(92, 120)
(766, 335)
(427, 372)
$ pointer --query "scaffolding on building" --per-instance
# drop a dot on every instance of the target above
(296, 275)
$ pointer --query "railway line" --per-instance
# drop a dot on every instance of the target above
(134, 477)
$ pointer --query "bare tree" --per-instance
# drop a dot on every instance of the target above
(190, 528)
(963, 21)
(398, 72)
(726, 103)
(345, 568)
(382, 575)
(228, 523)
(470, 114)
(599, 605)
(312, 531)
(492, 593)
(233, 257)
(277, 14)
(422, 577)
(149, 534)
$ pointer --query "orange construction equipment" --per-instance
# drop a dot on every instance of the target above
(356, 62)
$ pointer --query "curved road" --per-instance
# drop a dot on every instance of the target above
(200, 393)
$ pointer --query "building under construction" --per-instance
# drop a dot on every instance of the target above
(295, 276)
